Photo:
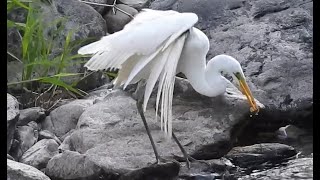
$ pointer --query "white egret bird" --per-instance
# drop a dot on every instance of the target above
(154, 47)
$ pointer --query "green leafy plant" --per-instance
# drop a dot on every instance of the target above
(39, 63)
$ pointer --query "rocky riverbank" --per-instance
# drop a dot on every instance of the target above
(101, 135)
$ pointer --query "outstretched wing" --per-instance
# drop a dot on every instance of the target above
(149, 47)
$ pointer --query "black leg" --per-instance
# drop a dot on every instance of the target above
(140, 109)
(184, 152)
(186, 156)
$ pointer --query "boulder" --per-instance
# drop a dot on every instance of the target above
(14, 73)
(261, 7)
(271, 39)
(65, 117)
(25, 137)
(116, 22)
(18, 14)
(73, 165)
(258, 154)
(111, 133)
(45, 134)
(92, 81)
(12, 118)
(100, 9)
(40, 153)
(137, 4)
(16, 170)
(13, 44)
(36, 114)
(47, 124)
(89, 23)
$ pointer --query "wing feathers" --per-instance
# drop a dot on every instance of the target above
(149, 47)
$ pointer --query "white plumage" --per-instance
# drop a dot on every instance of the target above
(155, 46)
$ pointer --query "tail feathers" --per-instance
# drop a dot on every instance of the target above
(166, 86)
(140, 65)
(157, 68)
(125, 70)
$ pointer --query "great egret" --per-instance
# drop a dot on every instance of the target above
(155, 46)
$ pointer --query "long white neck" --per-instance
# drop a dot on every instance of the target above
(205, 78)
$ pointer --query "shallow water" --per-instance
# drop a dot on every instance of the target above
(291, 168)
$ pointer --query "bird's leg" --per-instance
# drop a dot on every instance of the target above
(186, 156)
(139, 98)
(140, 109)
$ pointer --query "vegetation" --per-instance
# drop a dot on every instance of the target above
(43, 72)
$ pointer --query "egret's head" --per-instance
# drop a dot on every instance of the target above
(232, 67)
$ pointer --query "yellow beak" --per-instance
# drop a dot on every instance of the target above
(246, 91)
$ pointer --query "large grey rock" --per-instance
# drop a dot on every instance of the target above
(47, 124)
(72, 165)
(17, 171)
(31, 114)
(45, 134)
(117, 21)
(111, 132)
(211, 13)
(301, 168)
(262, 7)
(80, 18)
(100, 9)
(137, 4)
(271, 39)
(12, 118)
(83, 17)
(92, 81)
(65, 117)
(14, 44)
(260, 153)
(14, 73)
(40, 153)
(25, 137)
(18, 14)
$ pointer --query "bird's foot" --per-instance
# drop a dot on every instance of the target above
(189, 159)
(160, 160)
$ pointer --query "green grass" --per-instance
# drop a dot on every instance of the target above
(37, 51)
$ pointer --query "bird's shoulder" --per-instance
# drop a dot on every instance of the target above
(167, 18)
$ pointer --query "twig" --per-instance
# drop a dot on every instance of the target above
(29, 91)
(35, 102)
(38, 79)
(54, 104)
(85, 93)
(114, 6)
(14, 56)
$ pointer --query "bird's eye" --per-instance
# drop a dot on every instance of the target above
(238, 75)
(221, 72)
